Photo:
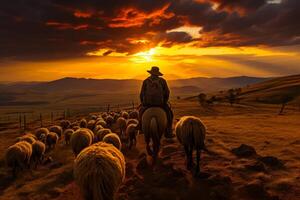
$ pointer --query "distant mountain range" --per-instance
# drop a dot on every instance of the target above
(70, 85)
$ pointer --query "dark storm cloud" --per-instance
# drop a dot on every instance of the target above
(52, 29)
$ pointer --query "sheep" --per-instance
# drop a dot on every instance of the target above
(132, 121)
(81, 139)
(154, 124)
(75, 128)
(99, 171)
(38, 132)
(56, 129)
(51, 140)
(131, 133)
(38, 152)
(97, 128)
(101, 122)
(113, 139)
(74, 124)
(65, 124)
(94, 117)
(101, 133)
(190, 132)
(67, 135)
(134, 114)
(91, 124)
(103, 115)
(125, 115)
(28, 138)
(109, 120)
(121, 122)
(83, 123)
(18, 156)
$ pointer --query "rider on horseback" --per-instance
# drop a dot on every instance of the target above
(155, 93)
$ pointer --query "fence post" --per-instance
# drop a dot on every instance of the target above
(41, 120)
(20, 121)
(132, 105)
(51, 117)
(64, 114)
(24, 121)
(108, 107)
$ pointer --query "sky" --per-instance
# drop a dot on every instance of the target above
(51, 39)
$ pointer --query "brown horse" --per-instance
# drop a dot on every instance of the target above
(154, 124)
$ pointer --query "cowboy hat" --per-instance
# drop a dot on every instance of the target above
(155, 71)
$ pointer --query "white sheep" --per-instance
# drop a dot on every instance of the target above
(81, 139)
(83, 123)
(99, 171)
(97, 128)
(38, 152)
(131, 133)
(154, 124)
(190, 132)
(124, 114)
(18, 156)
(134, 114)
(65, 124)
(101, 133)
(56, 129)
(121, 123)
(51, 140)
(132, 121)
(38, 132)
(114, 139)
(109, 120)
(67, 135)
(28, 138)
(91, 124)
(101, 122)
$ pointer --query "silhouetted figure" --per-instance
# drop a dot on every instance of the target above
(155, 93)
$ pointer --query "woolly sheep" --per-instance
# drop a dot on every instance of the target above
(109, 120)
(91, 124)
(101, 122)
(132, 121)
(134, 114)
(67, 135)
(65, 124)
(97, 128)
(83, 123)
(114, 139)
(154, 124)
(101, 133)
(131, 133)
(18, 156)
(28, 138)
(190, 132)
(56, 129)
(103, 115)
(80, 139)
(51, 140)
(75, 128)
(121, 122)
(38, 132)
(125, 115)
(94, 117)
(99, 171)
(38, 152)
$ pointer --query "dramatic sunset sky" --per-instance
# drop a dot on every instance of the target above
(50, 39)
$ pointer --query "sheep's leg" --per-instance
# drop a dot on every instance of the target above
(149, 151)
(198, 161)
(186, 149)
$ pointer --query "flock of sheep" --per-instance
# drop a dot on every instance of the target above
(99, 165)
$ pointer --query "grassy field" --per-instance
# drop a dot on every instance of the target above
(229, 177)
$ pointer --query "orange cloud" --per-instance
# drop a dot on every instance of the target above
(82, 14)
(132, 17)
(63, 26)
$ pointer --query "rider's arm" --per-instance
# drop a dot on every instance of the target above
(166, 91)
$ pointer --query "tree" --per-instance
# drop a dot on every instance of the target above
(211, 100)
(202, 99)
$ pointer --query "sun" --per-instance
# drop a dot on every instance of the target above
(145, 56)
